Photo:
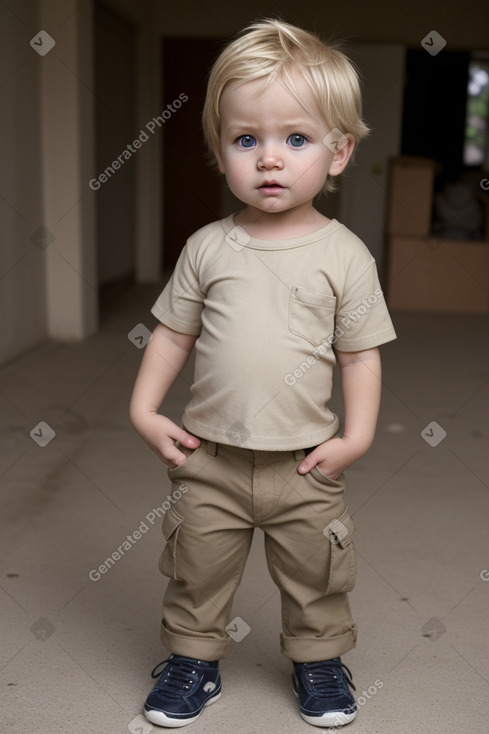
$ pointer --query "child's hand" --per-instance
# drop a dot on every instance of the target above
(332, 457)
(160, 433)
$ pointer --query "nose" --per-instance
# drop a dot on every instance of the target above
(269, 158)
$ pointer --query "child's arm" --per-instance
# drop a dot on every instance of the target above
(164, 358)
(361, 382)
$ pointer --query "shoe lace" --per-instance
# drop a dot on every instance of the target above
(324, 679)
(177, 677)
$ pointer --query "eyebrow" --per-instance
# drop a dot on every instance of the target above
(287, 125)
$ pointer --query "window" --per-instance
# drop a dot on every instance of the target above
(476, 147)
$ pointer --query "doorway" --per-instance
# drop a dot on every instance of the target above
(115, 114)
(191, 186)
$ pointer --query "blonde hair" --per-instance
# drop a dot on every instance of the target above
(271, 48)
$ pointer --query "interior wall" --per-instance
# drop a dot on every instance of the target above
(67, 148)
(23, 241)
(363, 188)
(48, 268)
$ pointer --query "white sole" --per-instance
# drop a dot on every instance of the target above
(331, 719)
(161, 719)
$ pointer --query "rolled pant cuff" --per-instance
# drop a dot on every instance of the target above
(314, 649)
(199, 648)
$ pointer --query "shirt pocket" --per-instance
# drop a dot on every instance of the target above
(311, 315)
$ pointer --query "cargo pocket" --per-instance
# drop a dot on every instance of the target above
(171, 526)
(342, 569)
(311, 315)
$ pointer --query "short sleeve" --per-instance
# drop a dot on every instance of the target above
(180, 304)
(362, 319)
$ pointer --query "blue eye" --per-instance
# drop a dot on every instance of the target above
(296, 140)
(247, 141)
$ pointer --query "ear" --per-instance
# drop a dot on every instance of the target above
(343, 151)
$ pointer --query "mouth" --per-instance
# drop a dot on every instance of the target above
(271, 187)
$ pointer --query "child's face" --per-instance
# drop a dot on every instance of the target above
(272, 149)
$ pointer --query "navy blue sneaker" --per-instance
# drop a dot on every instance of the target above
(184, 687)
(324, 696)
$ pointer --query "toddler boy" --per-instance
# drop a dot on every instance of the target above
(271, 297)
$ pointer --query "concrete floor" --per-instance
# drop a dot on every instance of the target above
(77, 653)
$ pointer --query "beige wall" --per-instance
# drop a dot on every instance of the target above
(48, 279)
(22, 263)
(67, 123)
(47, 112)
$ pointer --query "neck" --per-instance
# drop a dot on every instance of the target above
(280, 225)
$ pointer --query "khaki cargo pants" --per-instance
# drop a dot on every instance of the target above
(227, 492)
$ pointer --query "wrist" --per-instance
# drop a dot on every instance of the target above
(357, 446)
(139, 416)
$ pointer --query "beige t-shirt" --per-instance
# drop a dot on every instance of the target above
(268, 315)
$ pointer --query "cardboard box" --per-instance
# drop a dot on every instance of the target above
(410, 196)
(429, 274)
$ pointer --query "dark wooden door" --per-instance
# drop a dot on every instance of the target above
(191, 187)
